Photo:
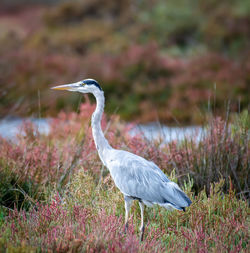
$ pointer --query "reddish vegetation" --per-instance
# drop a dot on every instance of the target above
(142, 78)
(55, 196)
(53, 227)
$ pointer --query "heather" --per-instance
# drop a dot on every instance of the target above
(56, 195)
(161, 57)
(173, 62)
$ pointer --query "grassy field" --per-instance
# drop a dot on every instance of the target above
(56, 196)
(168, 61)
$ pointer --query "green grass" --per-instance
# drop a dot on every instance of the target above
(60, 198)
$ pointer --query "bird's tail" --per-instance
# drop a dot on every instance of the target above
(174, 197)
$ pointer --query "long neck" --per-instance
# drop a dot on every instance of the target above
(100, 141)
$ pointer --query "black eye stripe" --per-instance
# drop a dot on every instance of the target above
(91, 82)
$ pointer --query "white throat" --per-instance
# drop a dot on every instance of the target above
(101, 143)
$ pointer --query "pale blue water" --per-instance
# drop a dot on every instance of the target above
(10, 127)
(155, 131)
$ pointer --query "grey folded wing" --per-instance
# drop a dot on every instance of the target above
(141, 179)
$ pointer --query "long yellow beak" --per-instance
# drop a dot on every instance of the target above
(71, 87)
(62, 87)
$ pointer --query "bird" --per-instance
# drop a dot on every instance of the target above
(136, 177)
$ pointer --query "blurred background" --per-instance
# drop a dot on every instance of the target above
(171, 61)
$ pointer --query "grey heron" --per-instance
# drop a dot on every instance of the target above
(136, 177)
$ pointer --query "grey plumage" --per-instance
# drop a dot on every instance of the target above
(137, 178)
(141, 179)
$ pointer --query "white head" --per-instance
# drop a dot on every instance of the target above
(84, 86)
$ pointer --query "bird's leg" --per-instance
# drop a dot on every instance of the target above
(142, 221)
(128, 203)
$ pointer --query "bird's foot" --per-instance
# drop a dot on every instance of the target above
(142, 233)
(126, 228)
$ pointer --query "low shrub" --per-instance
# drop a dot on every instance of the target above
(218, 222)
(56, 195)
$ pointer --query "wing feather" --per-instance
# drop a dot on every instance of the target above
(142, 179)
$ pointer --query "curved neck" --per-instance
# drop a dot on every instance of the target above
(100, 141)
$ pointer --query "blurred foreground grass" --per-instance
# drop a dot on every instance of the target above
(55, 194)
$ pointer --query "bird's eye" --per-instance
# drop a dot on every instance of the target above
(82, 84)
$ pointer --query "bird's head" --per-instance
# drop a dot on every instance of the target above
(84, 86)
